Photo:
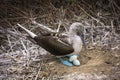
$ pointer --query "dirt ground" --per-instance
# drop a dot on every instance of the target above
(95, 65)
(92, 62)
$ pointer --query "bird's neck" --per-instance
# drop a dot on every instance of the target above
(72, 34)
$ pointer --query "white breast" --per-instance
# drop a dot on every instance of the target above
(77, 44)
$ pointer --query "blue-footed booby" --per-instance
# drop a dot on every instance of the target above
(69, 47)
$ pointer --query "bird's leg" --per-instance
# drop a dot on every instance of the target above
(74, 60)
(65, 62)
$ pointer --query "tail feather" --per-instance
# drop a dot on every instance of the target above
(28, 31)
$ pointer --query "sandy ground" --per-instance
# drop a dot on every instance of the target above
(95, 65)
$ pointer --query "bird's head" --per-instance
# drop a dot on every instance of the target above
(76, 28)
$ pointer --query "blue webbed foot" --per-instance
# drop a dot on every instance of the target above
(66, 62)
(74, 60)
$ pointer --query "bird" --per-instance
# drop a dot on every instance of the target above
(66, 45)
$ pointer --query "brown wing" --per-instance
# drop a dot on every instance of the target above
(53, 45)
